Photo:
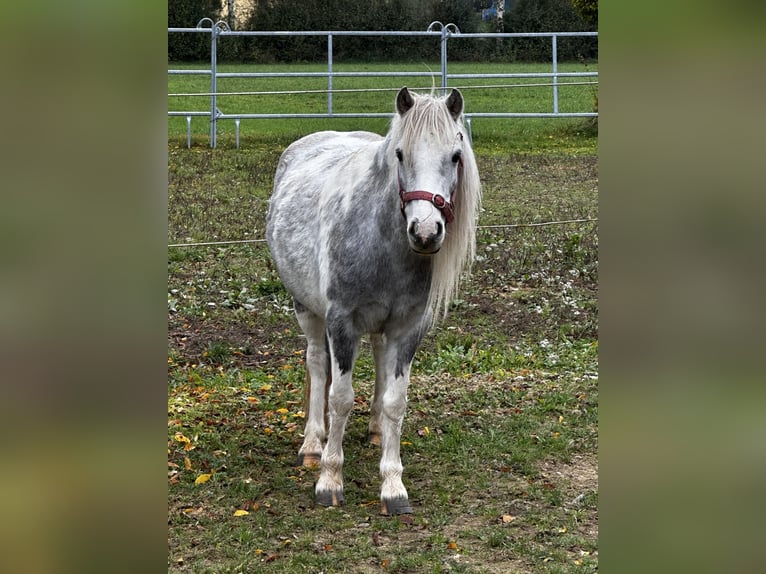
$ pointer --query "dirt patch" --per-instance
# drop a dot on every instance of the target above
(578, 481)
(239, 343)
(577, 477)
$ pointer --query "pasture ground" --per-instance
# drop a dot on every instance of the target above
(500, 438)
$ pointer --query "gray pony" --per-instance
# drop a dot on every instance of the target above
(370, 235)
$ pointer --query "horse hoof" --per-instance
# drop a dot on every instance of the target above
(309, 460)
(374, 438)
(330, 498)
(394, 506)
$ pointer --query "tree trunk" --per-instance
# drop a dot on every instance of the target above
(499, 27)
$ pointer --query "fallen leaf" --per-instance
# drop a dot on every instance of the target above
(452, 545)
(328, 547)
(187, 463)
(508, 518)
(241, 513)
(202, 478)
(180, 437)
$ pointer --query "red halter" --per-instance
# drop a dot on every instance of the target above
(447, 208)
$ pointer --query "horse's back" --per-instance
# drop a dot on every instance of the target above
(321, 148)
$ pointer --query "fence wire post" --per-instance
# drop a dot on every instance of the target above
(188, 132)
(236, 130)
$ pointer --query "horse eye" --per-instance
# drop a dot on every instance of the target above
(399, 155)
(456, 156)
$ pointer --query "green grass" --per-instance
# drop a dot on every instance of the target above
(500, 438)
(502, 134)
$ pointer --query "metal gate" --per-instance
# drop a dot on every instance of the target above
(437, 30)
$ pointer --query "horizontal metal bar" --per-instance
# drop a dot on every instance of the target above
(184, 114)
(198, 30)
(282, 33)
(532, 115)
(189, 72)
(389, 115)
(370, 90)
(397, 74)
(525, 75)
(523, 35)
(319, 74)
(319, 115)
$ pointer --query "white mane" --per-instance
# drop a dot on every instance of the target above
(430, 117)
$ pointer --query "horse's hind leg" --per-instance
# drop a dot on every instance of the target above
(378, 353)
(317, 385)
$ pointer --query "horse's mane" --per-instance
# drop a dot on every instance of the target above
(429, 117)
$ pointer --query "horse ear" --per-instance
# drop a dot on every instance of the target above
(455, 104)
(404, 101)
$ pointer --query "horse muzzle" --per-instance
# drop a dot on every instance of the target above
(425, 237)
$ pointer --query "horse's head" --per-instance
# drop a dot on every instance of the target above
(429, 147)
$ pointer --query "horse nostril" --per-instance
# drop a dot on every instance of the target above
(413, 229)
(439, 228)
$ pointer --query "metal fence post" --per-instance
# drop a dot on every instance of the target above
(213, 82)
(444, 60)
(554, 49)
(446, 32)
(329, 74)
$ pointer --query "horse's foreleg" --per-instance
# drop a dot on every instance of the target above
(317, 381)
(329, 487)
(393, 494)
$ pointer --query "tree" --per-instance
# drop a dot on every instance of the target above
(186, 14)
(588, 11)
(500, 13)
(549, 16)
